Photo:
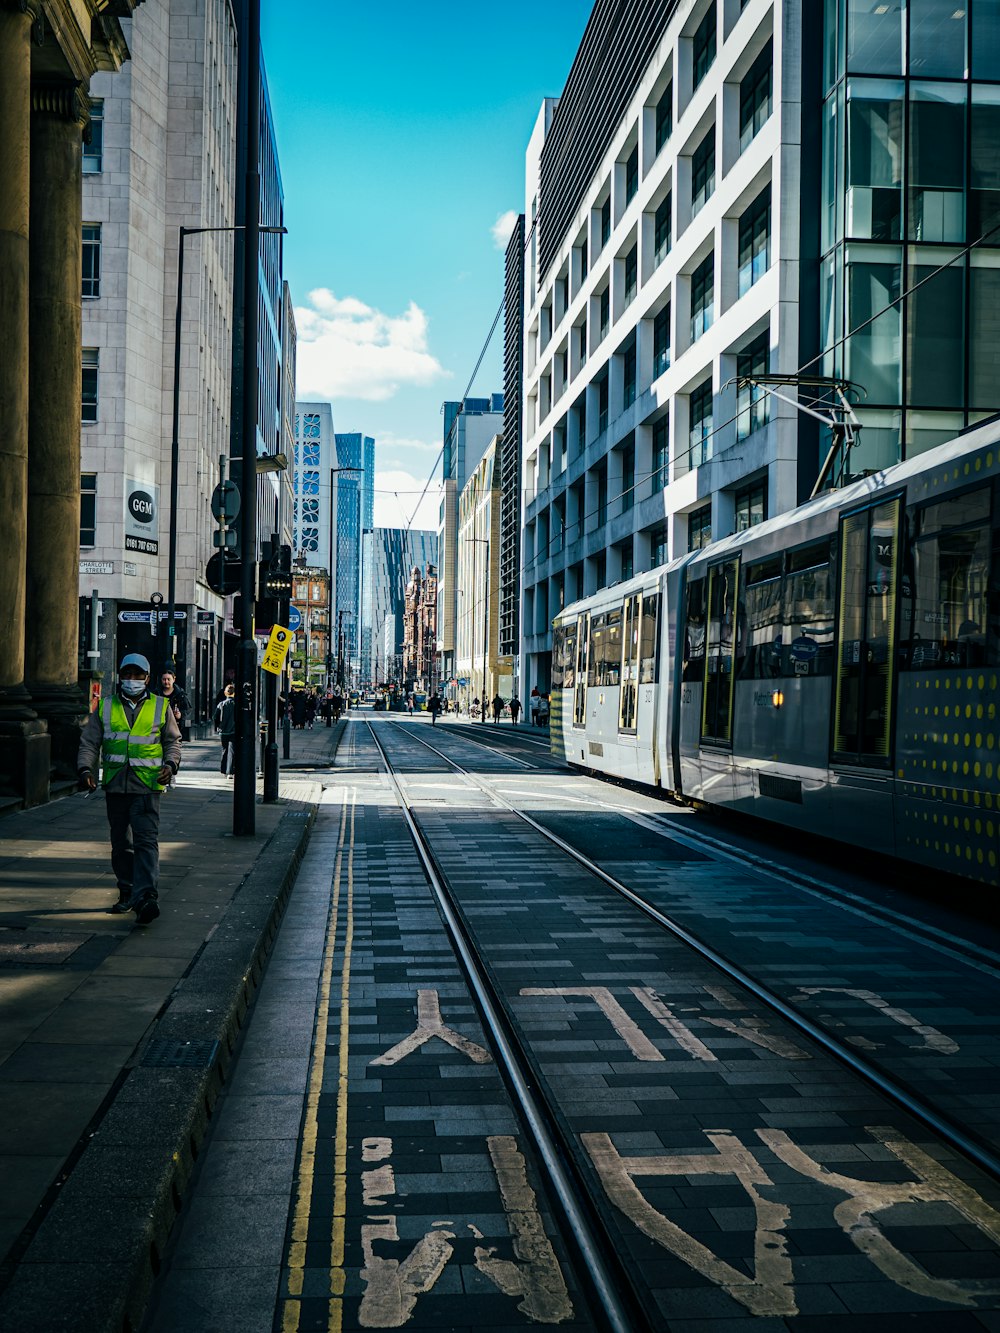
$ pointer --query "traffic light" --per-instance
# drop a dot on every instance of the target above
(274, 584)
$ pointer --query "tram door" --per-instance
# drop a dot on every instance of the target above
(629, 693)
(867, 592)
(582, 670)
(717, 703)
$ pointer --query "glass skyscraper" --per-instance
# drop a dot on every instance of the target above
(355, 516)
(911, 176)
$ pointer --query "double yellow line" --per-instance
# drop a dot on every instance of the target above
(292, 1305)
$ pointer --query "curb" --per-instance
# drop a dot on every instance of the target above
(91, 1264)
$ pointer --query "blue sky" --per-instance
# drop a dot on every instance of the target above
(401, 133)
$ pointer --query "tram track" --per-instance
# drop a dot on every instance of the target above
(598, 1268)
(970, 1145)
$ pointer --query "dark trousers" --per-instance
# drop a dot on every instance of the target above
(135, 841)
(228, 755)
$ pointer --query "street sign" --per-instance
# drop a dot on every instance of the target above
(297, 663)
(223, 573)
(206, 617)
(294, 618)
(277, 646)
(146, 617)
(226, 501)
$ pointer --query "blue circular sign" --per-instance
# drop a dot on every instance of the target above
(294, 617)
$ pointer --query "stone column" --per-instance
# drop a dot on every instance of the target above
(24, 742)
(59, 113)
(15, 117)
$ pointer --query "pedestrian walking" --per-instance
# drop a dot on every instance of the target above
(475, 707)
(499, 704)
(515, 709)
(225, 725)
(310, 709)
(298, 705)
(434, 705)
(535, 705)
(179, 703)
(135, 737)
(409, 704)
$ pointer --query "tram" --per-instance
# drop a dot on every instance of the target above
(834, 669)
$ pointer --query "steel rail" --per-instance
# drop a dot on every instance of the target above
(943, 1126)
(622, 1316)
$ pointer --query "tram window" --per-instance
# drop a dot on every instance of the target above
(569, 657)
(558, 644)
(649, 640)
(694, 633)
(717, 704)
(948, 619)
(611, 670)
(598, 636)
(761, 646)
(809, 625)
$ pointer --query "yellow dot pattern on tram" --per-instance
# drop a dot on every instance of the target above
(948, 769)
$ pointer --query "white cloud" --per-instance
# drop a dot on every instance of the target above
(503, 229)
(347, 349)
(397, 496)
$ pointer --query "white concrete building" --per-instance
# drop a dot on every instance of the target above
(161, 156)
(661, 262)
(315, 505)
(478, 583)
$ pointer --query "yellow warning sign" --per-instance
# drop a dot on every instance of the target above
(277, 646)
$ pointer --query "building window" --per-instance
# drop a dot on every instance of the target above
(627, 560)
(755, 97)
(604, 317)
(93, 148)
(661, 230)
(602, 404)
(602, 493)
(91, 357)
(659, 547)
(91, 259)
(88, 508)
(661, 454)
(581, 335)
(661, 342)
(631, 273)
(937, 163)
(310, 483)
(583, 260)
(301, 592)
(751, 400)
(700, 402)
(702, 296)
(703, 52)
(632, 175)
(605, 222)
(755, 241)
(703, 172)
(310, 454)
(875, 160)
(751, 506)
(700, 528)
(628, 375)
(665, 116)
(628, 481)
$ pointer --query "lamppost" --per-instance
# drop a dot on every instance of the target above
(482, 541)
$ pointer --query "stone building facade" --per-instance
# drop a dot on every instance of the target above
(477, 626)
(50, 51)
(420, 629)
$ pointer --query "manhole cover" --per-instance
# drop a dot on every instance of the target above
(198, 1053)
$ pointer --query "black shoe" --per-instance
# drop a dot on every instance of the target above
(146, 911)
(124, 903)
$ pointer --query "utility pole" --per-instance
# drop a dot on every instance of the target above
(245, 767)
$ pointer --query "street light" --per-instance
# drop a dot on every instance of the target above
(175, 447)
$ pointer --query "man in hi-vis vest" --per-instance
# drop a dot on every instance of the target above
(135, 736)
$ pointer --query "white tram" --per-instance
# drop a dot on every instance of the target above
(834, 669)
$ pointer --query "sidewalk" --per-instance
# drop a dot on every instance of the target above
(114, 1038)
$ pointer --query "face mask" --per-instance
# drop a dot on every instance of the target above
(132, 688)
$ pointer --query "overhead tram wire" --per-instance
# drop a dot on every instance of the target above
(806, 365)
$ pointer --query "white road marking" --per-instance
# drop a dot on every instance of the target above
(629, 1031)
(933, 1039)
(431, 1024)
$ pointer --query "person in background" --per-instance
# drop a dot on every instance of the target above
(515, 709)
(135, 737)
(499, 704)
(177, 699)
(310, 709)
(434, 706)
(225, 725)
(535, 704)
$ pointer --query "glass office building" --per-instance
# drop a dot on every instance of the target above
(355, 516)
(911, 178)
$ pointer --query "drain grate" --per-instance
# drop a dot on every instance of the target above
(162, 1053)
